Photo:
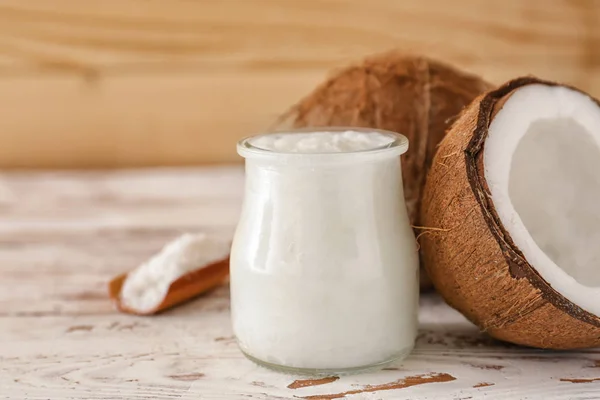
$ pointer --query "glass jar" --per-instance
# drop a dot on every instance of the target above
(324, 265)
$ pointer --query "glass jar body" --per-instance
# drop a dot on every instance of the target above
(324, 266)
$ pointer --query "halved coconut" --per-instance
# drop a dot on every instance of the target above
(513, 203)
(410, 94)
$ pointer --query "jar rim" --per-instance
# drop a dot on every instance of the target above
(397, 146)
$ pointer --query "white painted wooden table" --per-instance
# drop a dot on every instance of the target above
(64, 235)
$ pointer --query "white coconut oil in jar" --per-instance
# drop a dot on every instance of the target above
(324, 267)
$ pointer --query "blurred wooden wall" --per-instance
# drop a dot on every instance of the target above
(144, 82)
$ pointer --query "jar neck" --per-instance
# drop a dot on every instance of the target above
(265, 175)
(322, 163)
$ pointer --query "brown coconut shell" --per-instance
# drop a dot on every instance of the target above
(412, 95)
(470, 257)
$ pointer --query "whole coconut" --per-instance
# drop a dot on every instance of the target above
(412, 95)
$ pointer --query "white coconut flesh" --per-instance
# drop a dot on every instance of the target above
(542, 165)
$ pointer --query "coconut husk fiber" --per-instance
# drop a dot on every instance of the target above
(472, 259)
(412, 95)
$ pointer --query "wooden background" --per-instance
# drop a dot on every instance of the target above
(117, 83)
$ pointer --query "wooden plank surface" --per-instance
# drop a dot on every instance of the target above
(64, 235)
(160, 82)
